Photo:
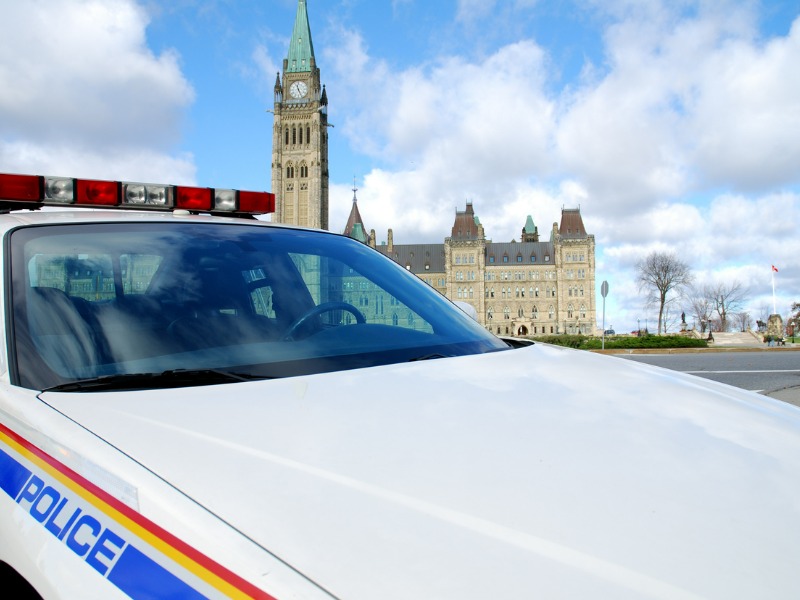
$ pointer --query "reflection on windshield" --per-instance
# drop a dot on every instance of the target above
(104, 299)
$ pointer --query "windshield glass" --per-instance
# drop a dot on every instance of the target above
(98, 300)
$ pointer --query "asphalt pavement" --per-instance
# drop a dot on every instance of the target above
(790, 394)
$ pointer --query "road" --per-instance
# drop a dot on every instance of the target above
(765, 372)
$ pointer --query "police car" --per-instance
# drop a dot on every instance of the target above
(199, 406)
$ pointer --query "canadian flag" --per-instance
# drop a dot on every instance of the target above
(774, 268)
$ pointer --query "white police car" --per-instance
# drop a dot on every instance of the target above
(204, 407)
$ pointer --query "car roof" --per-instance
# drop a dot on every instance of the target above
(48, 216)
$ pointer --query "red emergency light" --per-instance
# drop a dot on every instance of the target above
(33, 191)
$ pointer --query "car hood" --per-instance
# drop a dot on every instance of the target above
(540, 472)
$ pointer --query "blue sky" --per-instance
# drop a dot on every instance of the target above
(674, 125)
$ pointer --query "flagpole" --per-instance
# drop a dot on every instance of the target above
(774, 306)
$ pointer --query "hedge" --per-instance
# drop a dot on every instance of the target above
(583, 342)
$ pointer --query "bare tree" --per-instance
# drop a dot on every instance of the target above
(727, 299)
(701, 308)
(764, 311)
(794, 318)
(669, 318)
(743, 321)
(662, 275)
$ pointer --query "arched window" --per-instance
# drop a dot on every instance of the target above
(535, 313)
(506, 312)
(287, 137)
(294, 135)
(583, 311)
(570, 310)
(551, 314)
(308, 134)
(521, 312)
(290, 171)
(301, 135)
(490, 313)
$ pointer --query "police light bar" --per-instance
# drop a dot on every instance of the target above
(36, 190)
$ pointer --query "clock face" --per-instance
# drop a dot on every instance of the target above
(298, 89)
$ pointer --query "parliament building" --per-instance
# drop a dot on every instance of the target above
(521, 288)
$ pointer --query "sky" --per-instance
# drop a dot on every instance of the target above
(674, 125)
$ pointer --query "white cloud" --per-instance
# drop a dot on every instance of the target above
(76, 160)
(81, 91)
(685, 138)
(448, 131)
(747, 116)
(474, 10)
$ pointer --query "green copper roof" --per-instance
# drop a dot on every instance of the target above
(529, 226)
(359, 234)
(301, 49)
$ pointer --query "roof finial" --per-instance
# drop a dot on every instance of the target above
(355, 189)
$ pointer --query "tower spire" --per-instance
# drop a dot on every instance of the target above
(355, 227)
(301, 49)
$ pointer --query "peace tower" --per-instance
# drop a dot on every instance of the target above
(300, 134)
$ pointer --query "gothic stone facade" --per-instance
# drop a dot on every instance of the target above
(520, 288)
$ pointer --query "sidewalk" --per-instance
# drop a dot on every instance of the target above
(789, 394)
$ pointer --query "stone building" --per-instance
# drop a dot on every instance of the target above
(522, 288)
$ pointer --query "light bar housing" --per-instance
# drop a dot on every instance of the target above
(34, 191)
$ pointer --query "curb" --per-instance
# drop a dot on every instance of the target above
(695, 350)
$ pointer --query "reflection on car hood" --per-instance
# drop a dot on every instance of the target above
(539, 472)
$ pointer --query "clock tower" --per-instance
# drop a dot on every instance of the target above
(300, 134)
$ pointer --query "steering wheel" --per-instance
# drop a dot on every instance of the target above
(318, 310)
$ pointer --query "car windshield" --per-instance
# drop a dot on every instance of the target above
(115, 299)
